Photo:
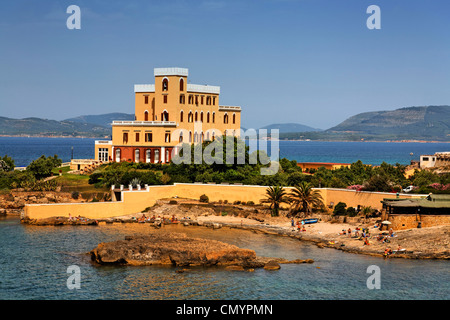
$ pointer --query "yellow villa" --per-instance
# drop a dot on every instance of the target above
(169, 112)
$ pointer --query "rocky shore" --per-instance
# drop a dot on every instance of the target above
(176, 249)
(423, 243)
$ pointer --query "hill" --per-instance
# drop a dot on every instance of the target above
(103, 120)
(430, 123)
(290, 127)
(45, 127)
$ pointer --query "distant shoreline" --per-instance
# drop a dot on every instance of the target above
(90, 137)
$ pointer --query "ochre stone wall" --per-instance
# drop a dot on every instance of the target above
(401, 222)
(136, 201)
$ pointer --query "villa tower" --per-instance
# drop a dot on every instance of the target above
(169, 112)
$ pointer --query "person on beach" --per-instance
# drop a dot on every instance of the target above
(349, 232)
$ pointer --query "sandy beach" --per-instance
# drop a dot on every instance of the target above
(419, 243)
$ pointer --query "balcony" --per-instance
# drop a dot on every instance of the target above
(145, 123)
(229, 108)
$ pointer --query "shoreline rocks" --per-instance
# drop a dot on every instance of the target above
(176, 249)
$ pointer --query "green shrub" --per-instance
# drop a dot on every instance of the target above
(339, 209)
(204, 198)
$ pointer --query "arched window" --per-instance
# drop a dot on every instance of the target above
(136, 155)
(181, 84)
(214, 117)
(181, 137)
(207, 135)
(165, 116)
(146, 115)
(156, 155)
(148, 155)
(165, 84)
(234, 118)
(195, 137)
(181, 116)
(117, 155)
(201, 116)
(196, 116)
(190, 136)
(225, 118)
(190, 117)
(167, 155)
(207, 117)
(213, 136)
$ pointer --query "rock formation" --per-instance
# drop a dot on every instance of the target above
(178, 250)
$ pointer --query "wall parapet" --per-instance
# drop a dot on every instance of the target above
(134, 201)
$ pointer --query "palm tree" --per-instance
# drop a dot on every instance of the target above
(304, 198)
(275, 196)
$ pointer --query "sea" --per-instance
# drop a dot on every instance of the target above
(24, 150)
(37, 262)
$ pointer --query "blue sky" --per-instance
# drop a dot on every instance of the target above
(313, 62)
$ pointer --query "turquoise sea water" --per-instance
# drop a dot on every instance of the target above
(34, 262)
(24, 150)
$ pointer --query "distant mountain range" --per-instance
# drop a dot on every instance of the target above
(103, 120)
(431, 123)
(290, 127)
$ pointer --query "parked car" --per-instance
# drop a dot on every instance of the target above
(408, 189)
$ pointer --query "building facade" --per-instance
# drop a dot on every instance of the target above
(168, 113)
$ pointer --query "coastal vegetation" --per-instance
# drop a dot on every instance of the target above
(358, 176)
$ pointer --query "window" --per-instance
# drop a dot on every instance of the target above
(165, 98)
(125, 137)
(167, 137)
(214, 117)
(196, 116)
(213, 136)
(156, 155)
(191, 99)
(137, 136)
(165, 84)
(208, 100)
(103, 154)
(234, 118)
(181, 116)
(190, 136)
(201, 116)
(136, 155)
(148, 137)
(201, 100)
(190, 116)
(196, 100)
(225, 118)
(146, 115)
(181, 84)
(181, 98)
(195, 137)
(214, 101)
(167, 155)
(148, 156)
(165, 116)
(181, 137)
(146, 99)
(207, 117)
(117, 155)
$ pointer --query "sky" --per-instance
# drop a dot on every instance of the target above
(313, 62)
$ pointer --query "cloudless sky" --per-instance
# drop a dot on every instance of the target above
(313, 62)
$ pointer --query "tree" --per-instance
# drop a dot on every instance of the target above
(275, 196)
(43, 166)
(304, 198)
(6, 163)
(339, 209)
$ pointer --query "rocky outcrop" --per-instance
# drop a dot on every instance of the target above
(60, 221)
(175, 249)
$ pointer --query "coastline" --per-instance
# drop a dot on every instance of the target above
(423, 243)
